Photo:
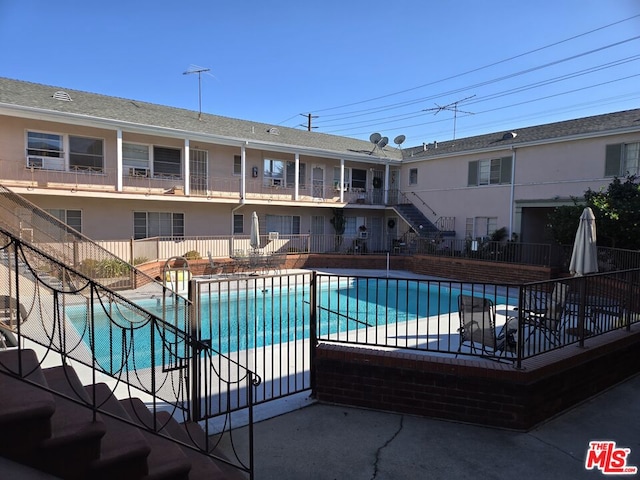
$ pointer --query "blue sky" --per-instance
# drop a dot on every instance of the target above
(358, 66)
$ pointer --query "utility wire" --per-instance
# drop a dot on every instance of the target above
(479, 84)
(492, 96)
(479, 68)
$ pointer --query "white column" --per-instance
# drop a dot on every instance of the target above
(296, 180)
(341, 186)
(119, 161)
(187, 167)
(243, 171)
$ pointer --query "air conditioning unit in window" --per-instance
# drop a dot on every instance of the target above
(276, 182)
(274, 236)
(138, 172)
(35, 162)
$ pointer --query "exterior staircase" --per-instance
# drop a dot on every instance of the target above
(411, 214)
(75, 431)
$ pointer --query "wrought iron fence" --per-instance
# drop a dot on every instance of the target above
(145, 348)
(507, 322)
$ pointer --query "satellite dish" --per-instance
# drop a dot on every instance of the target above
(375, 138)
(399, 140)
(382, 142)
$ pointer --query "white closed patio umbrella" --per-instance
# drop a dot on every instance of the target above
(254, 239)
(584, 258)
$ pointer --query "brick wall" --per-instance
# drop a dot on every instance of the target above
(480, 392)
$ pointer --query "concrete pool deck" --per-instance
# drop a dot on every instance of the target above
(327, 442)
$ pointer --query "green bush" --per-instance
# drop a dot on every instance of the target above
(192, 255)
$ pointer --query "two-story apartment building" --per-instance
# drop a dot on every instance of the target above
(116, 168)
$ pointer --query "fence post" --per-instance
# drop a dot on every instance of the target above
(520, 347)
(194, 341)
(313, 340)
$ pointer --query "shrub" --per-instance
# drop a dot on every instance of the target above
(192, 255)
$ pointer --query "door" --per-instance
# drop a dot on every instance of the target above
(394, 182)
(198, 169)
(317, 181)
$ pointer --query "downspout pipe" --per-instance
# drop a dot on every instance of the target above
(512, 190)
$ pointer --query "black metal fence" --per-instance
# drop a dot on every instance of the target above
(145, 348)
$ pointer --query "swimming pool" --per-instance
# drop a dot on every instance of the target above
(271, 314)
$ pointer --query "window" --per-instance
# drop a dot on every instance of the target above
(490, 172)
(346, 186)
(86, 154)
(237, 165)
(72, 218)
(317, 225)
(44, 144)
(157, 224)
(283, 224)
(238, 223)
(413, 176)
(291, 174)
(359, 179)
(622, 160)
(273, 173)
(167, 162)
(135, 159)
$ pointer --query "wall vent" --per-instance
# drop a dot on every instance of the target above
(64, 96)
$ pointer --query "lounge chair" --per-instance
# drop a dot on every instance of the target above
(478, 328)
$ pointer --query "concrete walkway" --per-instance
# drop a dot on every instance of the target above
(331, 442)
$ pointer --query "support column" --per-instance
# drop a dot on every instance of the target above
(341, 186)
(243, 171)
(296, 180)
(119, 169)
(187, 168)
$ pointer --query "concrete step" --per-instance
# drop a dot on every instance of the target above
(166, 460)
(76, 436)
(28, 421)
(124, 450)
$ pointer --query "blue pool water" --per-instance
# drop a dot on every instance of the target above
(254, 318)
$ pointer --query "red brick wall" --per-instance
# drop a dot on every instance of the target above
(486, 393)
(447, 267)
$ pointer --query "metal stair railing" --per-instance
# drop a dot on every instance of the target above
(104, 335)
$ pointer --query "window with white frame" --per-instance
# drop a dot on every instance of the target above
(238, 223)
(489, 172)
(274, 173)
(167, 162)
(291, 174)
(413, 176)
(622, 159)
(346, 185)
(135, 160)
(72, 218)
(46, 151)
(86, 154)
(359, 179)
(283, 224)
(317, 225)
(237, 165)
(158, 224)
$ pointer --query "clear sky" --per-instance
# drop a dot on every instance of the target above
(358, 66)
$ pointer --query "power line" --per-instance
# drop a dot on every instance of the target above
(481, 68)
(492, 96)
(486, 82)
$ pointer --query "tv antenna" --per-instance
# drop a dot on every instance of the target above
(452, 107)
(199, 71)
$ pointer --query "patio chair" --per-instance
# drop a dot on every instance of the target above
(478, 328)
(545, 313)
